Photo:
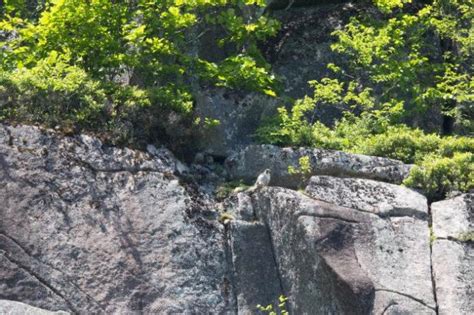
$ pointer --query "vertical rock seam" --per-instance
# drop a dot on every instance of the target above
(433, 280)
(230, 270)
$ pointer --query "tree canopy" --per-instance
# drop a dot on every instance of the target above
(99, 63)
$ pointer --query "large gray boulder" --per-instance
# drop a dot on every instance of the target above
(346, 254)
(395, 247)
(91, 229)
(454, 218)
(371, 196)
(17, 308)
(453, 254)
(252, 160)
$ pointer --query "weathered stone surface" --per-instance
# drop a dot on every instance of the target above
(242, 207)
(90, 229)
(368, 195)
(453, 254)
(318, 263)
(255, 272)
(453, 270)
(454, 218)
(399, 238)
(338, 260)
(368, 254)
(238, 115)
(251, 161)
(86, 228)
(17, 308)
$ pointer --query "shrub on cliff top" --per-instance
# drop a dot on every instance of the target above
(443, 163)
(103, 63)
(399, 65)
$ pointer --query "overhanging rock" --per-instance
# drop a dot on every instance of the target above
(252, 160)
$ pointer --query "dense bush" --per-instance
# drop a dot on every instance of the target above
(53, 90)
(412, 145)
(443, 163)
(437, 176)
(419, 56)
(131, 65)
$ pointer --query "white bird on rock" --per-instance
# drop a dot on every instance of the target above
(263, 179)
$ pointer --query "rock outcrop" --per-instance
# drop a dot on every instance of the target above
(453, 254)
(256, 158)
(238, 115)
(342, 253)
(91, 229)
(86, 228)
(17, 308)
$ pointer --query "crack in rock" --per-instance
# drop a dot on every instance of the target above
(43, 282)
(408, 296)
(30, 270)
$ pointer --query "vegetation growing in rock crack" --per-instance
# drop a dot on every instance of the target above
(404, 63)
(466, 237)
(225, 189)
(303, 170)
(279, 309)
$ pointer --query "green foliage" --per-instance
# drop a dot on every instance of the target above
(53, 90)
(243, 71)
(432, 236)
(136, 62)
(271, 310)
(422, 59)
(297, 126)
(226, 217)
(398, 66)
(24, 8)
(304, 168)
(288, 128)
(412, 145)
(466, 237)
(438, 175)
(388, 6)
(443, 163)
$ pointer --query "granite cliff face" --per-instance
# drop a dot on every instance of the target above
(86, 228)
(91, 229)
